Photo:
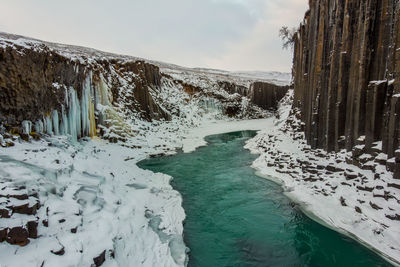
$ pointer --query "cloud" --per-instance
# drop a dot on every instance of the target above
(229, 34)
(261, 47)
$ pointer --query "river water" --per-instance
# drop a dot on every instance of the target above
(235, 218)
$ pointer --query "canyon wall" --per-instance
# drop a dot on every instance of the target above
(33, 83)
(346, 71)
(48, 88)
(267, 95)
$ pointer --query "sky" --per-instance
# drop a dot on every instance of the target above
(221, 34)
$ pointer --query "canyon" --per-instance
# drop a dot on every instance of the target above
(75, 121)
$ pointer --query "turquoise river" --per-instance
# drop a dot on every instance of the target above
(235, 218)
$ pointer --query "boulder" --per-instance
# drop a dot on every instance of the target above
(18, 236)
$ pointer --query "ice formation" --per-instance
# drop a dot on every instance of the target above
(77, 115)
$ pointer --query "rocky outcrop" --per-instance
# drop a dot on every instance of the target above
(263, 94)
(346, 70)
(267, 95)
(29, 80)
(234, 88)
(14, 203)
(147, 82)
(26, 79)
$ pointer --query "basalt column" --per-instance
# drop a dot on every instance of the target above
(346, 71)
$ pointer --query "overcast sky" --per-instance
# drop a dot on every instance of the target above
(222, 34)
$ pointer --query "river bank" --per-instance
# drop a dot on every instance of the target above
(339, 195)
(235, 218)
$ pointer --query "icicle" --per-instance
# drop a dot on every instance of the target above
(78, 117)
(92, 120)
(102, 94)
(44, 129)
(39, 126)
(85, 107)
(49, 125)
(64, 124)
(72, 114)
(54, 116)
(26, 127)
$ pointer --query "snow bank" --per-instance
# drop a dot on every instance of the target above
(94, 199)
(351, 205)
(194, 138)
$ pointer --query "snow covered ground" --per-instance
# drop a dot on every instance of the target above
(95, 199)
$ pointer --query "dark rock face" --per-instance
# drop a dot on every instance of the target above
(27, 76)
(99, 260)
(267, 95)
(346, 70)
(26, 79)
(234, 88)
(147, 80)
(18, 236)
(51, 89)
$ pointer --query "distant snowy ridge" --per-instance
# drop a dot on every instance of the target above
(76, 52)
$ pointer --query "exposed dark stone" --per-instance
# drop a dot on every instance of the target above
(3, 234)
(25, 137)
(350, 175)
(332, 168)
(394, 185)
(358, 209)
(365, 188)
(35, 136)
(32, 229)
(395, 217)
(312, 170)
(4, 213)
(343, 201)
(99, 260)
(18, 236)
(311, 179)
(232, 110)
(374, 206)
(59, 252)
(20, 197)
(25, 209)
(386, 195)
(370, 167)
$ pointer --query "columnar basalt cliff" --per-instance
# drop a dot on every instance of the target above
(346, 72)
(267, 95)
